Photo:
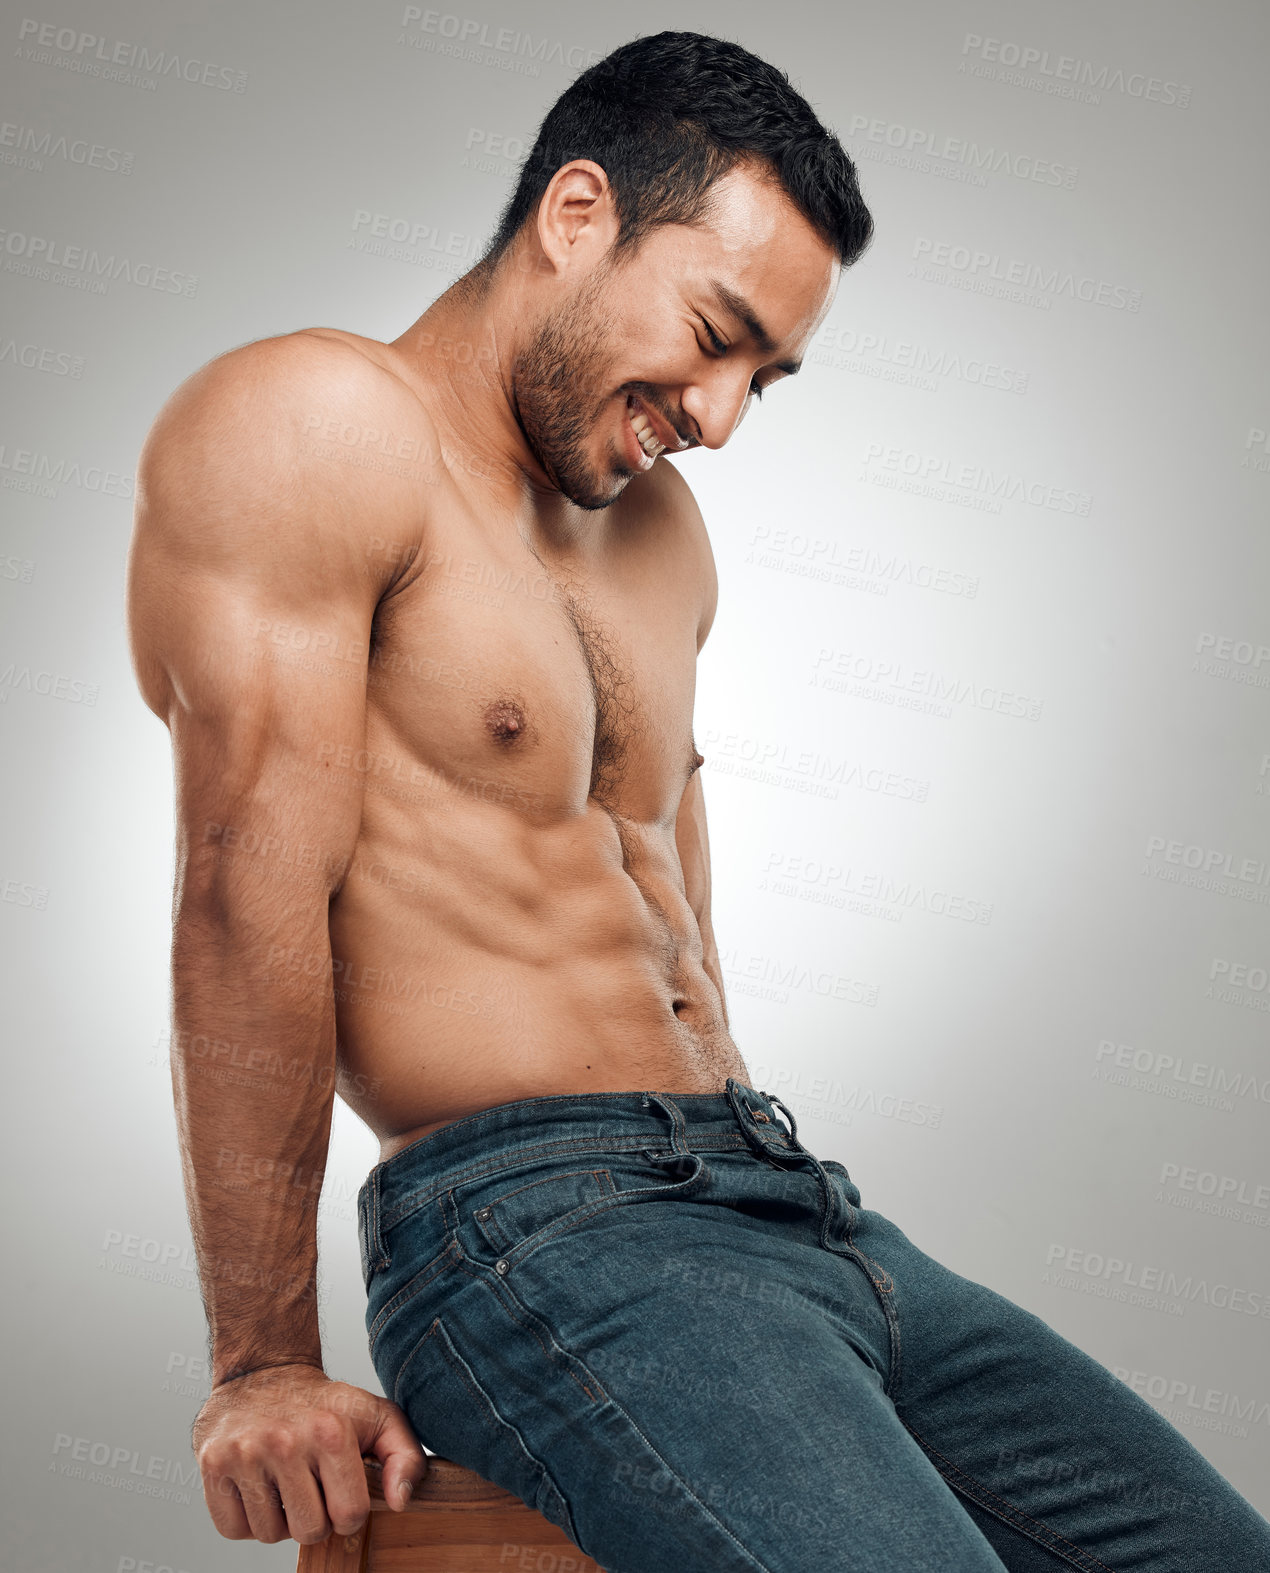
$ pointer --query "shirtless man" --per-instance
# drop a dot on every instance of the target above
(422, 618)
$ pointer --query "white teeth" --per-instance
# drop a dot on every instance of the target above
(644, 432)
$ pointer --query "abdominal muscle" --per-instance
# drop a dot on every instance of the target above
(480, 958)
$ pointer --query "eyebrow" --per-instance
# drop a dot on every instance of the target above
(745, 314)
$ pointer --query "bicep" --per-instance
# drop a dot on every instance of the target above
(250, 604)
(264, 744)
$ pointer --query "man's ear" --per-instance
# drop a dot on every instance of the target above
(577, 220)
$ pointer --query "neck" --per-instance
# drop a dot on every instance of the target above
(463, 351)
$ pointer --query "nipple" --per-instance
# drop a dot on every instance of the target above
(505, 719)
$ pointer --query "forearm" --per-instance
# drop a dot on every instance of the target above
(253, 1076)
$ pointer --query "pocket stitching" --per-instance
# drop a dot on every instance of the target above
(607, 1204)
(522, 1316)
(545, 1179)
(498, 1236)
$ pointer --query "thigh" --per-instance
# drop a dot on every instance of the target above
(1058, 1462)
(684, 1381)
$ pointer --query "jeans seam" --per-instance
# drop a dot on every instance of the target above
(885, 1285)
(488, 1409)
(1015, 1517)
(761, 1567)
(675, 1475)
(503, 1297)
(892, 1384)
(512, 1306)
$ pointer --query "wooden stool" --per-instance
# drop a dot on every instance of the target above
(456, 1523)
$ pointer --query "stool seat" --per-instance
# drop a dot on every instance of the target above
(456, 1523)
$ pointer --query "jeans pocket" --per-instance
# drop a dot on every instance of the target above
(452, 1413)
(530, 1205)
(505, 1217)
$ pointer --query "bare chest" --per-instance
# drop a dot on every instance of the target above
(538, 684)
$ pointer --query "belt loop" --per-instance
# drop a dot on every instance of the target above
(741, 1108)
(370, 1238)
(678, 1131)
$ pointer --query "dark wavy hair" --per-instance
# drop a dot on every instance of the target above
(665, 117)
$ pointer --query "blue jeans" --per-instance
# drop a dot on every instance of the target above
(666, 1325)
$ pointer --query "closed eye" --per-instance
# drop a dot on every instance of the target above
(721, 349)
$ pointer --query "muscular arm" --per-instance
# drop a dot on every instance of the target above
(240, 533)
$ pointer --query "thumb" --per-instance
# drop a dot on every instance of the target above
(397, 1448)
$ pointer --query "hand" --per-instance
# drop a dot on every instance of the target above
(280, 1451)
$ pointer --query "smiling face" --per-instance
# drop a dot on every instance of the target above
(675, 342)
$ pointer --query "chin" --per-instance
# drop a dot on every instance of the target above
(592, 499)
(597, 489)
(593, 504)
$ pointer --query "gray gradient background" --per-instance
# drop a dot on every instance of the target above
(978, 1077)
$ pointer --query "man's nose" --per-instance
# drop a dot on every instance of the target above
(717, 409)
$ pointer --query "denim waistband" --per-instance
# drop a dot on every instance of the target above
(674, 1122)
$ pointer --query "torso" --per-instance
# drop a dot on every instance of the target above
(514, 922)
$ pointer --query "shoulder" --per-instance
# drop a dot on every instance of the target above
(669, 495)
(309, 421)
(305, 379)
(688, 519)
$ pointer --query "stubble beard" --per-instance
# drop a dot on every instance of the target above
(559, 395)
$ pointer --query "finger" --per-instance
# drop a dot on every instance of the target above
(343, 1478)
(303, 1505)
(263, 1506)
(337, 1463)
(397, 1448)
(225, 1506)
